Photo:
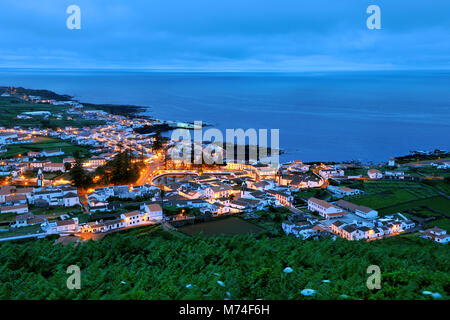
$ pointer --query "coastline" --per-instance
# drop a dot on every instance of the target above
(141, 111)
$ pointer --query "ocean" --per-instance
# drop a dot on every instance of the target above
(322, 116)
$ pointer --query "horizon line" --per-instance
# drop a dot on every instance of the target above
(199, 70)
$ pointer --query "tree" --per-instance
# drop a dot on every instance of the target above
(157, 144)
(124, 168)
(67, 166)
(79, 176)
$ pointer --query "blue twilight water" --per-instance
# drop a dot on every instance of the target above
(321, 116)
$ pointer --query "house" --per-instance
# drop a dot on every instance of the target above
(349, 231)
(19, 209)
(324, 208)
(3, 194)
(244, 204)
(33, 154)
(112, 225)
(263, 171)
(219, 191)
(96, 204)
(153, 211)
(408, 224)
(70, 225)
(331, 173)
(362, 211)
(133, 218)
(343, 191)
(7, 138)
(38, 164)
(394, 173)
(16, 199)
(28, 219)
(261, 185)
(297, 166)
(284, 198)
(54, 197)
(52, 153)
(374, 174)
(69, 160)
(391, 162)
(71, 199)
(95, 162)
(437, 234)
(302, 229)
(92, 227)
(53, 167)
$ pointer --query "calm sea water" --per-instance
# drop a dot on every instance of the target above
(337, 116)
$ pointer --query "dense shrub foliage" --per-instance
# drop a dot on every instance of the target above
(162, 266)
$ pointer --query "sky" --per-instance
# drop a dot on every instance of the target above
(226, 35)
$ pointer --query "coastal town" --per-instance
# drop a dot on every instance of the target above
(45, 139)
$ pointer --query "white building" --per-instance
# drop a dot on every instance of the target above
(71, 199)
(64, 226)
(324, 208)
(362, 211)
(437, 234)
(19, 209)
(374, 174)
(391, 162)
(153, 211)
(327, 174)
(343, 191)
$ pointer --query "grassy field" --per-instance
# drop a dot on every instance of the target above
(10, 107)
(46, 143)
(380, 194)
(228, 226)
(7, 217)
(414, 198)
(434, 206)
(443, 223)
(427, 171)
(56, 211)
(21, 231)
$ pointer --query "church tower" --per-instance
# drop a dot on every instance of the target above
(40, 178)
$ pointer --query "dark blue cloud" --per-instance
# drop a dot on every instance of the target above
(226, 35)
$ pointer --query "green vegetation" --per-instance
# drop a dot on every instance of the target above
(159, 265)
(174, 210)
(55, 211)
(122, 169)
(435, 206)
(227, 226)
(117, 109)
(11, 107)
(271, 219)
(21, 231)
(443, 223)
(318, 193)
(46, 143)
(390, 196)
(79, 176)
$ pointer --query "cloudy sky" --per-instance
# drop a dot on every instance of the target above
(226, 35)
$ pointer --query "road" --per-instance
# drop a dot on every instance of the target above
(149, 170)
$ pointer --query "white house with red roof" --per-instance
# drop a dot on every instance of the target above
(374, 174)
(325, 209)
(437, 234)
